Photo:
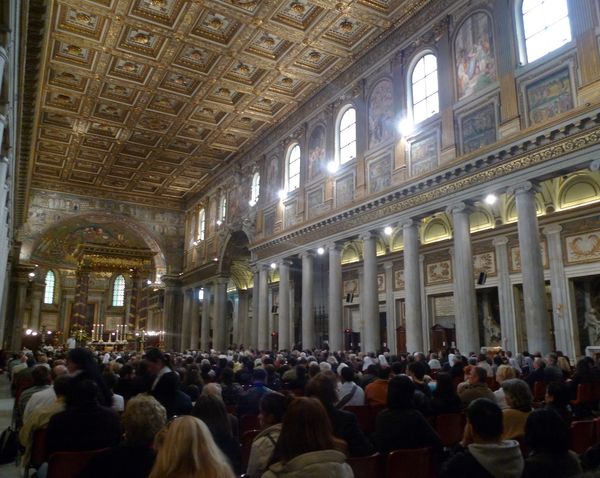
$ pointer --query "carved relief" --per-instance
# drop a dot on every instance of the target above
(438, 272)
(583, 247)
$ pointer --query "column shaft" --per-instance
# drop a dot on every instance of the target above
(505, 296)
(243, 327)
(253, 326)
(335, 331)
(369, 298)
(412, 288)
(194, 319)
(186, 326)
(263, 309)
(534, 288)
(390, 307)
(220, 329)
(284, 306)
(205, 323)
(308, 321)
(467, 330)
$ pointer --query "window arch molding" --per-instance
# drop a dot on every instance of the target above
(345, 147)
(118, 287)
(293, 161)
(417, 57)
(522, 35)
(50, 287)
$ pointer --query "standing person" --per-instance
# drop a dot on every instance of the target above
(81, 366)
(306, 447)
(185, 448)
(166, 385)
(484, 454)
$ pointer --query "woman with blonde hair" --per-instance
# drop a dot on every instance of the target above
(186, 449)
(504, 372)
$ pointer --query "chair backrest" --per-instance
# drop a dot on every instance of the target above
(38, 448)
(415, 463)
(246, 442)
(584, 393)
(367, 466)
(69, 464)
(363, 416)
(539, 391)
(582, 435)
(450, 427)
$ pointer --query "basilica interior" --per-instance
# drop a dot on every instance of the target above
(358, 175)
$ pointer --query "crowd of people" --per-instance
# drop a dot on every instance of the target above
(171, 415)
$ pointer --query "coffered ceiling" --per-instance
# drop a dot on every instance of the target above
(148, 98)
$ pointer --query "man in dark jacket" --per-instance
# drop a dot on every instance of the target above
(249, 400)
(484, 454)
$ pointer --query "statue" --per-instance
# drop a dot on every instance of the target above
(592, 324)
(492, 331)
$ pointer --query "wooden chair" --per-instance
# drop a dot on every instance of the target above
(539, 391)
(585, 394)
(69, 464)
(38, 451)
(246, 442)
(249, 422)
(450, 427)
(367, 466)
(582, 435)
(416, 463)
(363, 416)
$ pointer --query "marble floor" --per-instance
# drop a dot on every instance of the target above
(6, 405)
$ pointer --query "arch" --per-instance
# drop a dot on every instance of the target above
(510, 209)
(436, 229)
(234, 259)
(293, 160)
(352, 252)
(397, 240)
(480, 219)
(475, 62)
(345, 134)
(423, 98)
(118, 291)
(578, 190)
(41, 247)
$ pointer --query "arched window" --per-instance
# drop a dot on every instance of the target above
(292, 168)
(424, 91)
(255, 189)
(346, 140)
(545, 27)
(49, 289)
(118, 299)
(223, 207)
(201, 224)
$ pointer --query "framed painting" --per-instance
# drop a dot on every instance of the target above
(549, 96)
(344, 190)
(314, 202)
(478, 128)
(381, 113)
(424, 153)
(316, 152)
(380, 173)
(474, 56)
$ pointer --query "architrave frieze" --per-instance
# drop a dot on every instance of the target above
(462, 179)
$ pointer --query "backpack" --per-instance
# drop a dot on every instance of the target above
(9, 446)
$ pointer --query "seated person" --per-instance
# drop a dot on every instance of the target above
(144, 417)
(475, 387)
(484, 454)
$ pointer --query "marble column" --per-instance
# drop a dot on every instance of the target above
(194, 319)
(37, 297)
(263, 308)
(336, 327)
(205, 323)
(467, 330)
(390, 306)
(565, 334)
(505, 296)
(308, 320)
(220, 329)
(534, 288)
(136, 285)
(412, 287)
(253, 324)
(172, 312)
(78, 314)
(369, 297)
(243, 326)
(21, 283)
(186, 326)
(283, 325)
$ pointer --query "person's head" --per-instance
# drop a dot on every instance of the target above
(538, 362)
(61, 386)
(144, 417)
(384, 373)
(271, 408)
(417, 370)
(324, 387)
(155, 361)
(444, 385)
(546, 431)
(563, 364)
(213, 389)
(305, 428)
(477, 375)
(212, 411)
(57, 371)
(227, 376)
(551, 359)
(186, 448)
(505, 372)
(557, 394)
(347, 374)
(40, 375)
(81, 359)
(518, 394)
(401, 391)
(259, 375)
(82, 394)
(485, 419)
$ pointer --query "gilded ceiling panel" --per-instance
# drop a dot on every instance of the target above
(149, 97)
